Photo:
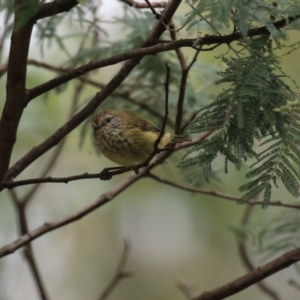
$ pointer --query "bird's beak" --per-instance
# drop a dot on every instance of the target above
(95, 126)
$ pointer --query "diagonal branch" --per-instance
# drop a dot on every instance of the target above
(243, 282)
(246, 259)
(217, 194)
(15, 87)
(105, 198)
(136, 4)
(53, 140)
(147, 48)
(28, 251)
(53, 8)
(50, 226)
(119, 274)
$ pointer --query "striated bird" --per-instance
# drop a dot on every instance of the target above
(126, 138)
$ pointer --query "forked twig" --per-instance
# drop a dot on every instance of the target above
(246, 259)
(119, 273)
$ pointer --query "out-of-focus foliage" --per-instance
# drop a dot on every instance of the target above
(272, 237)
(249, 109)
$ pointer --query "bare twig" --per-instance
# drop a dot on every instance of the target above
(235, 286)
(136, 4)
(125, 95)
(49, 226)
(246, 259)
(116, 170)
(119, 274)
(185, 68)
(218, 194)
(294, 284)
(105, 198)
(110, 87)
(157, 15)
(149, 50)
(28, 251)
(180, 102)
(187, 289)
(21, 204)
(164, 122)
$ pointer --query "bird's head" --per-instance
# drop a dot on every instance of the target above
(106, 120)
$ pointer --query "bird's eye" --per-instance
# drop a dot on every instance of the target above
(108, 119)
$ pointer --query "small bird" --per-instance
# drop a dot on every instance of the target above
(126, 138)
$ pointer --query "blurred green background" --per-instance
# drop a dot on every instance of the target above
(174, 236)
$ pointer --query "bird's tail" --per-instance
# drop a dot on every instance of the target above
(172, 139)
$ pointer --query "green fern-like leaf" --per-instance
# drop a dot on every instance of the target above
(247, 112)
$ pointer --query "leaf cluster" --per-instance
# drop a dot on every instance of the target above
(246, 113)
(244, 14)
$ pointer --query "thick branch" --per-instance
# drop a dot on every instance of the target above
(53, 8)
(241, 283)
(15, 88)
(146, 49)
(95, 102)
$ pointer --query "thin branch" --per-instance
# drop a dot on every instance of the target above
(105, 198)
(246, 259)
(187, 289)
(156, 15)
(188, 122)
(185, 68)
(294, 284)
(125, 95)
(235, 286)
(77, 72)
(110, 87)
(119, 275)
(28, 251)
(148, 50)
(58, 149)
(144, 5)
(164, 122)
(118, 170)
(218, 194)
(182, 89)
(50, 226)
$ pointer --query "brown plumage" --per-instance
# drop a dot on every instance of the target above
(125, 137)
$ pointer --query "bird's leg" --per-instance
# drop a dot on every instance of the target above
(106, 174)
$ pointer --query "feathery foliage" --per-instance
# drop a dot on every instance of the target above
(246, 112)
(273, 237)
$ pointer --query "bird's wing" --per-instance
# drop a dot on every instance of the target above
(141, 123)
(150, 127)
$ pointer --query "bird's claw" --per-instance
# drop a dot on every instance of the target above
(105, 175)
